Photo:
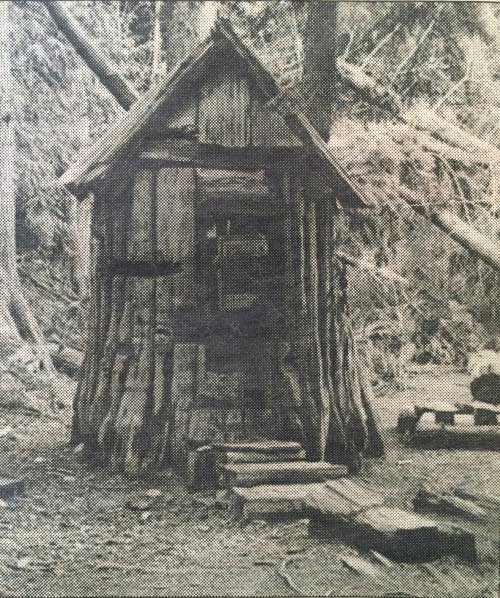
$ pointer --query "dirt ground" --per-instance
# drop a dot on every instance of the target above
(72, 534)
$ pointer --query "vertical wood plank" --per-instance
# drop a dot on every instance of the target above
(225, 109)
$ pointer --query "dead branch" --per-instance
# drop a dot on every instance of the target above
(283, 573)
(380, 45)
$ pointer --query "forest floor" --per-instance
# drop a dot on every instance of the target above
(73, 533)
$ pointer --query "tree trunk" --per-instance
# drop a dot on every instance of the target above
(157, 45)
(335, 411)
(16, 319)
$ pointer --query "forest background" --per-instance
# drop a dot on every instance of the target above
(415, 293)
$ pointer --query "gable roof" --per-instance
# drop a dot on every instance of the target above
(96, 160)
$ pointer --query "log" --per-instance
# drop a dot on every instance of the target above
(428, 501)
(368, 87)
(293, 472)
(466, 235)
(483, 498)
(398, 534)
(105, 70)
(353, 511)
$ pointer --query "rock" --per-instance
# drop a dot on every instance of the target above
(146, 500)
(205, 501)
(11, 487)
(153, 493)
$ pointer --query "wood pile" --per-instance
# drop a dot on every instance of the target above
(438, 423)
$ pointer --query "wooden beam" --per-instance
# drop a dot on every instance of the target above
(182, 152)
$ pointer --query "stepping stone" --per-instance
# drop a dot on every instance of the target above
(269, 500)
(11, 487)
(289, 472)
(261, 446)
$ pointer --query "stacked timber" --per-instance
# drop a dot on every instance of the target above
(208, 466)
(464, 431)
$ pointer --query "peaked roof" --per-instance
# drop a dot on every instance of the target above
(96, 160)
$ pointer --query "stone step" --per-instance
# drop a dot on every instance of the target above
(288, 472)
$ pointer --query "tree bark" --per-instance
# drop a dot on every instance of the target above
(334, 412)
(16, 319)
(106, 71)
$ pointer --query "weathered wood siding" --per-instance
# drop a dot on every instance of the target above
(227, 110)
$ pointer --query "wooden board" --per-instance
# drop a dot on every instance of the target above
(176, 236)
(270, 500)
(427, 501)
(262, 446)
(225, 108)
(255, 457)
(291, 472)
(341, 498)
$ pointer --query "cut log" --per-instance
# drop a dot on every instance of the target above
(401, 535)
(263, 446)
(271, 500)
(201, 469)
(428, 501)
(295, 472)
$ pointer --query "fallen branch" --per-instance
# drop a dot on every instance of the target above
(105, 70)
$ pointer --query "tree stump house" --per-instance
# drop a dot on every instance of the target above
(217, 310)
